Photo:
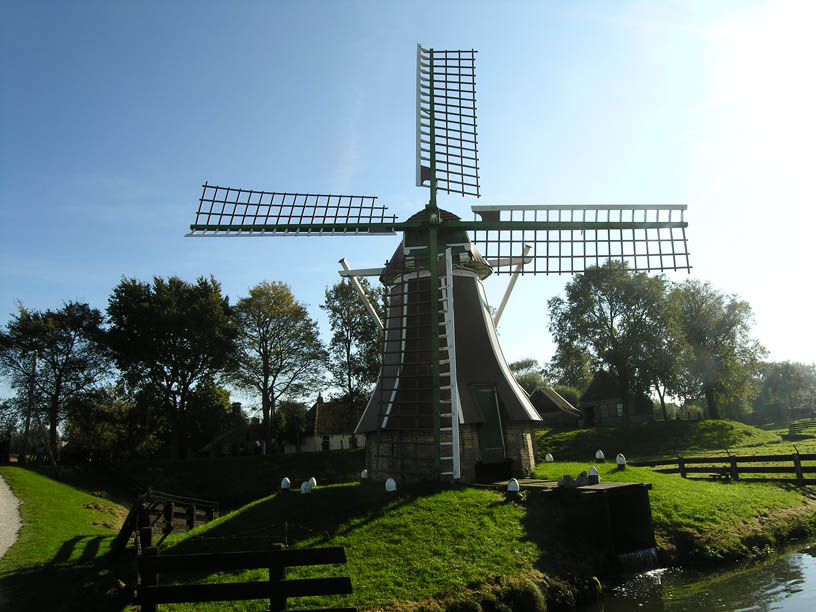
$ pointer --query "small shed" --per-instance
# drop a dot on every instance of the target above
(602, 403)
(555, 411)
(330, 427)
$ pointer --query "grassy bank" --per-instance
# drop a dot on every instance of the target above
(425, 548)
(654, 440)
(57, 562)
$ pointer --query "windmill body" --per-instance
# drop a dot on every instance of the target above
(446, 405)
(479, 401)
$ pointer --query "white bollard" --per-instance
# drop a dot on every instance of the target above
(390, 485)
(305, 489)
(548, 458)
(285, 485)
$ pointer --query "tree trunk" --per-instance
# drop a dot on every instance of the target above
(711, 402)
(662, 397)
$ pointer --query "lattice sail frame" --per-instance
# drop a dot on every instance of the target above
(227, 211)
(566, 239)
(446, 147)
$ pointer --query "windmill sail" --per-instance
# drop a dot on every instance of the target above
(447, 154)
(569, 239)
(227, 211)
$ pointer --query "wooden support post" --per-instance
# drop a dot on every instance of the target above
(209, 513)
(191, 518)
(145, 537)
(277, 602)
(734, 471)
(169, 511)
(148, 579)
(682, 465)
(797, 465)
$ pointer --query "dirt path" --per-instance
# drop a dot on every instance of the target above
(9, 517)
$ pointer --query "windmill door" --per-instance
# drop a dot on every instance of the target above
(491, 439)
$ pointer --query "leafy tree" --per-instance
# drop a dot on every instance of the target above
(528, 373)
(619, 319)
(209, 415)
(295, 422)
(355, 346)
(280, 353)
(785, 384)
(167, 338)
(52, 358)
(571, 394)
(109, 425)
(570, 366)
(725, 359)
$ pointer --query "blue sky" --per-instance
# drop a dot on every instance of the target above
(112, 114)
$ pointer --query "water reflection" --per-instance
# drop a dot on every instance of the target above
(786, 583)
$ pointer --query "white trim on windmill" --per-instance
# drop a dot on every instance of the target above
(363, 297)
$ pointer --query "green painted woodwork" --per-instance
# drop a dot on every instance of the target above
(491, 441)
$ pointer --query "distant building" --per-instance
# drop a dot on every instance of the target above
(602, 403)
(330, 427)
(554, 410)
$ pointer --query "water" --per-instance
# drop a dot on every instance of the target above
(786, 583)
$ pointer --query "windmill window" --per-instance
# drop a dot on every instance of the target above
(620, 409)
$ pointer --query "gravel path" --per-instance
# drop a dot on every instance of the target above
(9, 517)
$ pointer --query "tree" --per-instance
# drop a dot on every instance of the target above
(570, 366)
(279, 349)
(617, 318)
(528, 373)
(355, 346)
(167, 338)
(726, 359)
(52, 358)
(295, 424)
(785, 385)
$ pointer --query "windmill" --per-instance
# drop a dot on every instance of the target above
(446, 404)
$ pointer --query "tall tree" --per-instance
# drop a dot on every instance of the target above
(53, 357)
(726, 359)
(355, 347)
(168, 337)
(785, 385)
(618, 318)
(528, 373)
(280, 353)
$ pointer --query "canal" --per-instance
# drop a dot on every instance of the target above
(785, 582)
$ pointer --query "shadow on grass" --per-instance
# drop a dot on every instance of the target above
(320, 517)
(77, 578)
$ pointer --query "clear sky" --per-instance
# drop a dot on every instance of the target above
(112, 114)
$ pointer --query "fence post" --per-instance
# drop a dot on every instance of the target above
(797, 465)
(277, 602)
(148, 579)
(191, 517)
(682, 465)
(734, 471)
(169, 510)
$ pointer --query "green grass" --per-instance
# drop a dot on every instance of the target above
(419, 543)
(703, 522)
(65, 533)
(654, 440)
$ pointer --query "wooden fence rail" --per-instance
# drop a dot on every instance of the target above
(734, 467)
(277, 588)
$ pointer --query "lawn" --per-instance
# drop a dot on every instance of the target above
(60, 547)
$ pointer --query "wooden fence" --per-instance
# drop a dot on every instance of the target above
(164, 513)
(277, 588)
(748, 468)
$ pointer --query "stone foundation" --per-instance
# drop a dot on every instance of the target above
(408, 456)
